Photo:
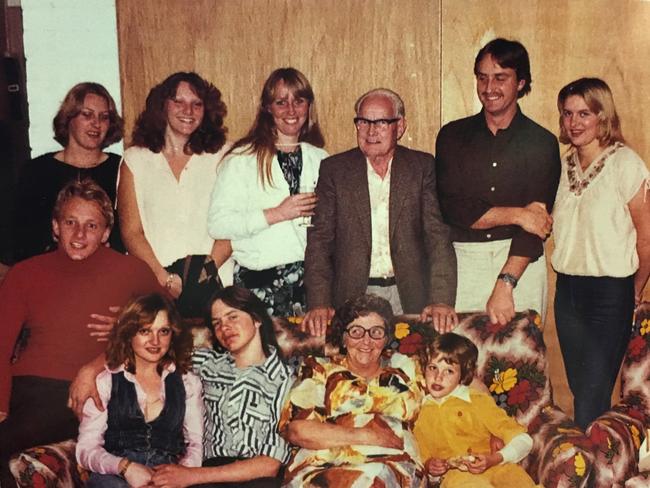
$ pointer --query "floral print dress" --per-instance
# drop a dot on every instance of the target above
(326, 390)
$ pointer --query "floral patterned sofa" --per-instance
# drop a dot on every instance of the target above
(512, 364)
(615, 437)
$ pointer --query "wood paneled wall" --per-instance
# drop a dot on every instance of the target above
(566, 40)
(423, 49)
(344, 47)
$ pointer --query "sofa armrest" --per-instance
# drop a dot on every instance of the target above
(53, 465)
(615, 438)
(560, 456)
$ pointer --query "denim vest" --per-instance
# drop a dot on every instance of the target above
(127, 429)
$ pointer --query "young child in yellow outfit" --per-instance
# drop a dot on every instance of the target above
(455, 423)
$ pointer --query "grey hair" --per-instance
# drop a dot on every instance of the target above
(396, 100)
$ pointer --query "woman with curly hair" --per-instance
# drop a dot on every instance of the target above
(87, 122)
(258, 203)
(167, 175)
(153, 407)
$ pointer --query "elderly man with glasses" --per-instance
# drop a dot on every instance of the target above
(377, 224)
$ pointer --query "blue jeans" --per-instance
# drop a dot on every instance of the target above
(148, 458)
(594, 322)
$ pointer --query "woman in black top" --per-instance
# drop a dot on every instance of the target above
(86, 123)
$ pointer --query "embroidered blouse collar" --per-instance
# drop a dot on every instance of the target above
(579, 180)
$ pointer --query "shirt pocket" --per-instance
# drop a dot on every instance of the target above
(257, 420)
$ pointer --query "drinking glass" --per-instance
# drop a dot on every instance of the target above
(309, 187)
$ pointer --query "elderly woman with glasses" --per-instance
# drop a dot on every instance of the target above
(351, 414)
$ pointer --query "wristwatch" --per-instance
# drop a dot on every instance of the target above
(508, 278)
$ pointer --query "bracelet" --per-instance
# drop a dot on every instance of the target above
(125, 467)
(508, 278)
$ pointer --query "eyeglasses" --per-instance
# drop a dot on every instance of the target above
(358, 332)
(364, 124)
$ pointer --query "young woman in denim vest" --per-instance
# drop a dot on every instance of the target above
(152, 405)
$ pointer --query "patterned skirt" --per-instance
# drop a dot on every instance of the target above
(281, 288)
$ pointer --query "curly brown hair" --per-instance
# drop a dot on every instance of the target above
(138, 313)
(149, 129)
(360, 307)
(262, 136)
(72, 105)
(453, 349)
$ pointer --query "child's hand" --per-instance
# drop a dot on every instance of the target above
(436, 466)
(483, 462)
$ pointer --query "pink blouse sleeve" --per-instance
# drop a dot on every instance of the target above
(90, 444)
(193, 422)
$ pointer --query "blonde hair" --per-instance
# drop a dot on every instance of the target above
(88, 190)
(262, 136)
(72, 105)
(598, 97)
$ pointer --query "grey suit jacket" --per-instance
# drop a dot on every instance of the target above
(337, 259)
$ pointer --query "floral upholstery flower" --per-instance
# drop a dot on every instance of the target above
(645, 326)
(402, 329)
(504, 381)
(580, 464)
(636, 347)
(520, 393)
(636, 436)
(564, 446)
(411, 344)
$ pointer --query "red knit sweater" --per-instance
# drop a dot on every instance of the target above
(54, 296)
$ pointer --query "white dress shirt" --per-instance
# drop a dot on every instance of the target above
(381, 264)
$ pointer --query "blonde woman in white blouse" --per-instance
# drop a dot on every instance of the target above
(602, 243)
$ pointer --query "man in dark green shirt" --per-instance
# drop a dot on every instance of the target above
(497, 175)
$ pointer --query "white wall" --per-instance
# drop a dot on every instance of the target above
(66, 42)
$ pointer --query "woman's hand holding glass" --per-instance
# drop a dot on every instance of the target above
(292, 207)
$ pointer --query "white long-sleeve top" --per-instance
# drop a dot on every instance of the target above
(238, 203)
